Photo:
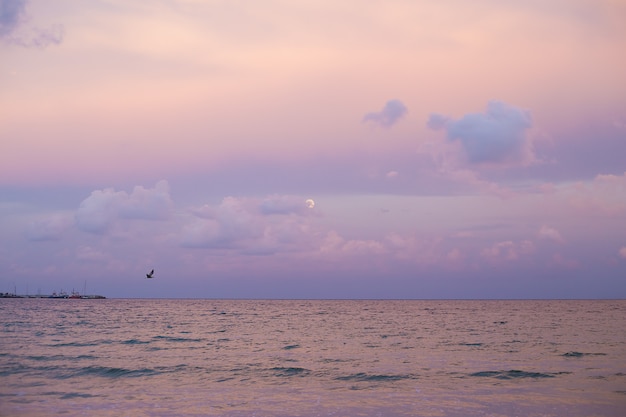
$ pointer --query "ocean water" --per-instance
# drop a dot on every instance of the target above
(120, 357)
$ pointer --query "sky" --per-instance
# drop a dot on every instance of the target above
(313, 149)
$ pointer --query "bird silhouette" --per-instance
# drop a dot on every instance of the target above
(150, 275)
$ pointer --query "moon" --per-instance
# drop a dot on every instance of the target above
(310, 203)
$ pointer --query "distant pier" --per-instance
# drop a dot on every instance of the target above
(63, 295)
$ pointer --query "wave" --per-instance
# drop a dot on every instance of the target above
(62, 372)
(82, 344)
(361, 376)
(111, 372)
(12, 369)
(134, 342)
(72, 395)
(515, 374)
(43, 358)
(176, 339)
(290, 371)
(581, 354)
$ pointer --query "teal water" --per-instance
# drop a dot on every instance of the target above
(312, 358)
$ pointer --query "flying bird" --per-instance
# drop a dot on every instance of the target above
(150, 275)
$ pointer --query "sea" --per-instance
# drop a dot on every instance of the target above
(279, 358)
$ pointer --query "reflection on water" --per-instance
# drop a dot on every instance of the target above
(312, 358)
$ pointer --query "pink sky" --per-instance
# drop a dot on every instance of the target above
(453, 149)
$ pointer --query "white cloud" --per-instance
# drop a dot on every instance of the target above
(498, 136)
(437, 121)
(201, 233)
(98, 212)
(283, 204)
(393, 111)
(89, 254)
(549, 233)
(363, 247)
(454, 255)
(478, 143)
(11, 14)
(335, 245)
(12, 17)
(564, 262)
(248, 225)
(606, 194)
(49, 228)
(421, 251)
(508, 250)
(148, 204)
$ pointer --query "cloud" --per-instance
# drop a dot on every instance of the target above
(406, 249)
(89, 254)
(437, 121)
(335, 244)
(282, 204)
(13, 15)
(454, 256)
(421, 251)
(148, 204)
(249, 225)
(98, 212)
(50, 228)
(561, 261)
(508, 250)
(498, 136)
(200, 234)
(606, 194)
(234, 220)
(393, 111)
(40, 38)
(622, 252)
(550, 233)
(469, 177)
(478, 142)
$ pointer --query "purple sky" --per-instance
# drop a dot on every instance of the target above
(452, 149)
